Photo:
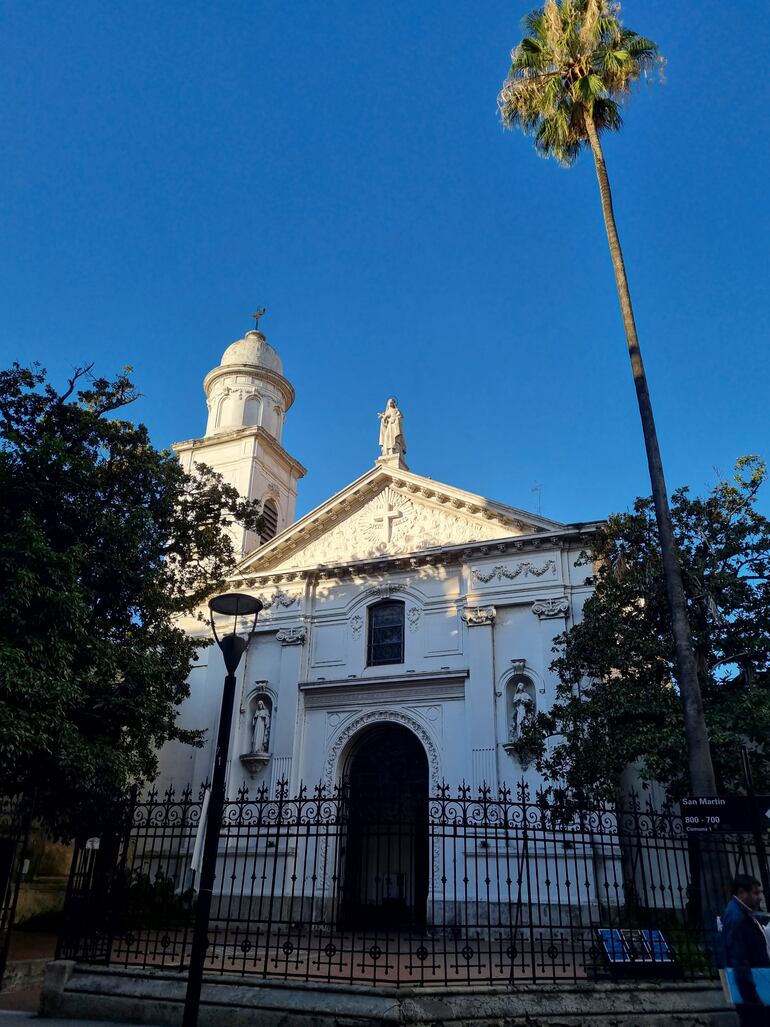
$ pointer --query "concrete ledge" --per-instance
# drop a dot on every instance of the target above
(57, 974)
(23, 973)
(157, 997)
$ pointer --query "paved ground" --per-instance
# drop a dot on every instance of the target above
(17, 1019)
(26, 1000)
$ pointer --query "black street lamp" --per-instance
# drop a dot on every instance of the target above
(233, 646)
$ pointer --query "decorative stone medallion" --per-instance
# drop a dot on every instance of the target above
(475, 617)
(546, 608)
(292, 636)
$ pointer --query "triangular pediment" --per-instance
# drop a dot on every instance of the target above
(390, 512)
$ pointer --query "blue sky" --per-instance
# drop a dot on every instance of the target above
(166, 168)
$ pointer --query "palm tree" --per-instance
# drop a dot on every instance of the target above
(564, 86)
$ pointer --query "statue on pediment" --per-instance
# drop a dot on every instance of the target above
(392, 441)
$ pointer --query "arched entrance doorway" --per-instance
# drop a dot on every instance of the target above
(385, 858)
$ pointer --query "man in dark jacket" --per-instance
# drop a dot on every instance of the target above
(746, 947)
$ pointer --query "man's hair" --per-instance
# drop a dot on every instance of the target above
(744, 882)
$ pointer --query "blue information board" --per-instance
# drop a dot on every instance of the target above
(629, 947)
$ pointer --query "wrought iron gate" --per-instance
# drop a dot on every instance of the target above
(518, 889)
(94, 889)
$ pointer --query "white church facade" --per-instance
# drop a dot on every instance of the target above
(407, 625)
(379, 824)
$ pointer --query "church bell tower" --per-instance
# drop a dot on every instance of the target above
(247, 398)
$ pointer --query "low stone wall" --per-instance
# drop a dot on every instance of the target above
(22, 974)
(40, 896)
(157, 997)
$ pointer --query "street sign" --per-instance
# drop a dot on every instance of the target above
(724, 812)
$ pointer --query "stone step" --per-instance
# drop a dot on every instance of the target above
(157, 997)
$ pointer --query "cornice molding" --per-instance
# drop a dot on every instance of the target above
(385, 680)
(255, 371)
(579, 534)
(235, 435)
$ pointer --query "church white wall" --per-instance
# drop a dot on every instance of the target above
(472, 630)
(183, 765)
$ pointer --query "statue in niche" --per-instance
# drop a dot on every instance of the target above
(523, 708)
(260, 734)
(392, 441)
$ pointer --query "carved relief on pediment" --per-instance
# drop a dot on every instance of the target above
(391, 524)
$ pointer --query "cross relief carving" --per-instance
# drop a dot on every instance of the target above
(386, 518)
(391, 511)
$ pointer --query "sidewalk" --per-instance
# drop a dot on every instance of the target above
(25, 1019)
(24, 1002)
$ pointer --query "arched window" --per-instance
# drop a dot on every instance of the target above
(386, 633)
(270, 515)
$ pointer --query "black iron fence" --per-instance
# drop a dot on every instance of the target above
(460, 888)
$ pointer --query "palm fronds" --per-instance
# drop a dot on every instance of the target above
(576, 61)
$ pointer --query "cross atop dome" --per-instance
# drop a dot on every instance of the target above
(258, 314)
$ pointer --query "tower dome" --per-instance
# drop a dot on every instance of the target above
(252, 349)
(248, 388)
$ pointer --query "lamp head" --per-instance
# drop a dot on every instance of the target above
(235, 605)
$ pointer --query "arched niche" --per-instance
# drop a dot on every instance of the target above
(219, 407)
(252, 410)
(258, 728)
(520, 703)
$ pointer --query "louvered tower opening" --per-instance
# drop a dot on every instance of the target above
(270, 515)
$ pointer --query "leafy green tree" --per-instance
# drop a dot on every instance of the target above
(617, 702)
(104, 542)
(564, 87)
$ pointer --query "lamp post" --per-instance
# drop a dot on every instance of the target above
(233, 646)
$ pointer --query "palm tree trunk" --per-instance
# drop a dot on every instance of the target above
(701, 768)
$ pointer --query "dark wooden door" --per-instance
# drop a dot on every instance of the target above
(385, 869)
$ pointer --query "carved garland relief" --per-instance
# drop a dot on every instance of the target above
(278, 599)
(526, 567)
(384, 591)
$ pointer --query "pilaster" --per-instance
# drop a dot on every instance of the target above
(480, 696)
(552, 616)
(292, 641)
